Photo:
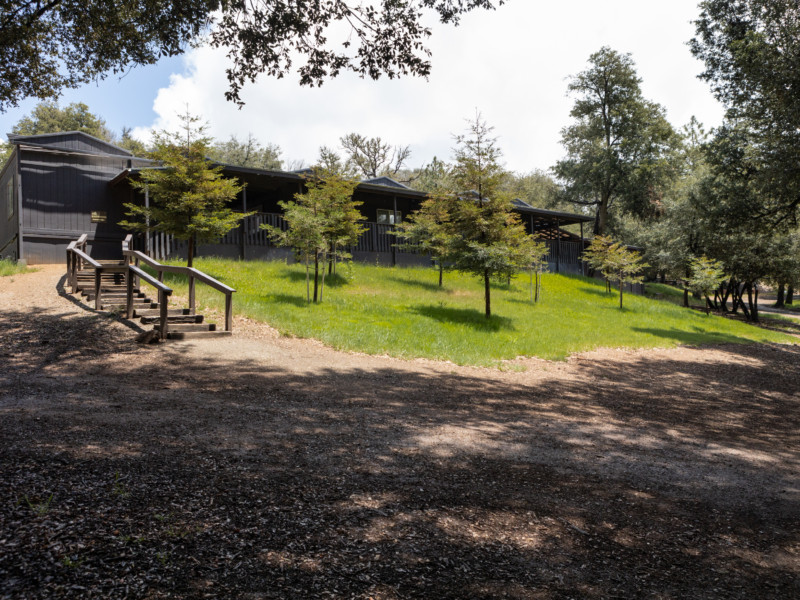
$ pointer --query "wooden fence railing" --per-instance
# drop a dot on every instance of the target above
(376, 238)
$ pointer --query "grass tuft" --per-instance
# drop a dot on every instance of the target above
(12, 267)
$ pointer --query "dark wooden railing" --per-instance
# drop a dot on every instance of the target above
(74, 260)
(191, 273)
(135, 276)
(77, 259)
(376, 238)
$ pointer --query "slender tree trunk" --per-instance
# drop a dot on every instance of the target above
(441, 268)
(686, 297)
(190, 252)
(708, 305)
(316, 274)
(621, 286)
(308, 285)
(530, 272)
(487, 294)
(538, 284)
(781, 301)
(736, 297)
(789, 294)
(754, 302)
(725, 290)
(322, 287)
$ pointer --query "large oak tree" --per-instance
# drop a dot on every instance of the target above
(49, 45)
(620, 146)
(751, 50)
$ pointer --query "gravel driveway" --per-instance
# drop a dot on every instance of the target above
(262, 466)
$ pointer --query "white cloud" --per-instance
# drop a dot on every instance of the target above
(511, 64)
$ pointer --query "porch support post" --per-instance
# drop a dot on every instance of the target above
(243, 227)
(394, 223)
(558, 248)
(147, 222)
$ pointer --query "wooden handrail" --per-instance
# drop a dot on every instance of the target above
(150, 279)
(164, 292)
(192, 274)
(85, 257)
(199, 275)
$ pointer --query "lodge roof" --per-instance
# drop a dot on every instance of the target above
(379, 185)
(69, 141)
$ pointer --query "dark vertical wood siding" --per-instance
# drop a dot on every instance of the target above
(9, 223)
(60, 192)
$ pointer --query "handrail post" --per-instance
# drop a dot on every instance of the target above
(162, 305)
(74, 276)
(98, 276)
(69, 270)
(74, 281)
(136, 263)
(191, 295)
(129, 298)
(228, 311)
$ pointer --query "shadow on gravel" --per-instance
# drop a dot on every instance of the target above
(89, 306)
(203, 478)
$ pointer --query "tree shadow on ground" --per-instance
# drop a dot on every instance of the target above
(698, 337)
(299, 301)
(597, 291)
(334, 280)
(464, 316)
(431, 286)
(174, 475)
(83, 304)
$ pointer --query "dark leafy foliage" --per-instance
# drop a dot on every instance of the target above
(46, 46)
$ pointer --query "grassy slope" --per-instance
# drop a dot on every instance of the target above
(672, 294)
(403, 313)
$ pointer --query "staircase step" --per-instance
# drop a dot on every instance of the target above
(118, 298)
(196, 335)
(116, 277)
(175, 319)
(156, 312)
(89, 285)
(123, 307)
(192, 327)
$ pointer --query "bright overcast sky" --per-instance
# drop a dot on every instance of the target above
(511, 64)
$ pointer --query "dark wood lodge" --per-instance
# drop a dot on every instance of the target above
(56, 187)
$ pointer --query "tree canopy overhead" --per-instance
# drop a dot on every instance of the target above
(49, 45)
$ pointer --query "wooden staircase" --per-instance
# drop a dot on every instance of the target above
(182, 323)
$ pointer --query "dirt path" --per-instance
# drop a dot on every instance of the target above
(269, 467)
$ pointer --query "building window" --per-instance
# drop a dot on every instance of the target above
(10, 198)
(386, 217)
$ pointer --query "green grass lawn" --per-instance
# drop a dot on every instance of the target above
(402, 312)
(12, 267)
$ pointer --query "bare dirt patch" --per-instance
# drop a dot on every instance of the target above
(268, 467)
